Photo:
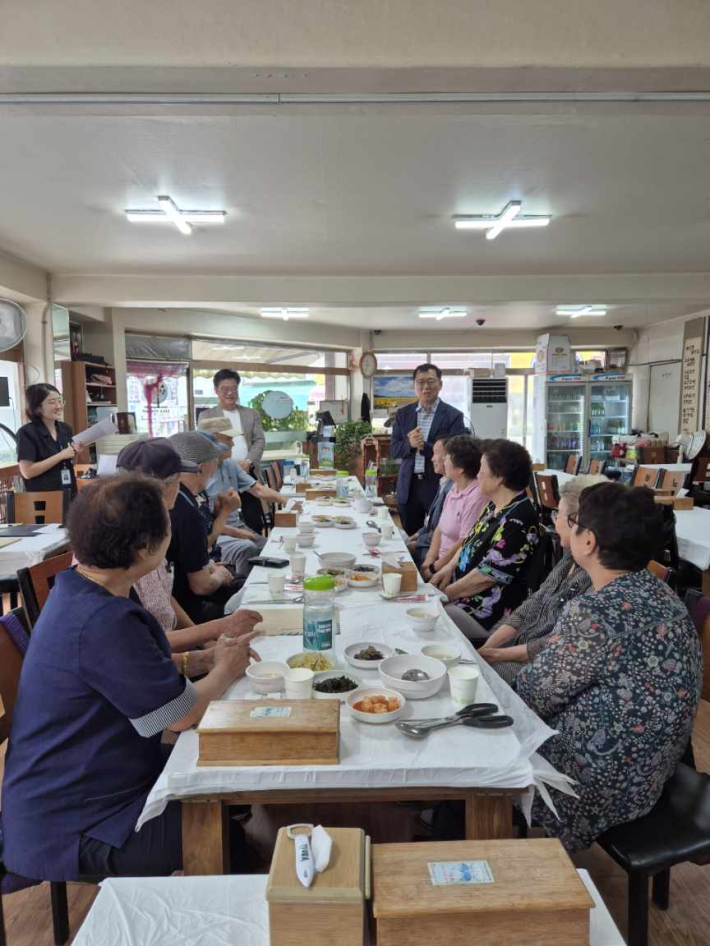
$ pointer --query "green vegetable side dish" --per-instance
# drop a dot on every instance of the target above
(370, 653)
(335, 685)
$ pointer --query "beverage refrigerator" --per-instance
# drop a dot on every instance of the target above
(578, 415)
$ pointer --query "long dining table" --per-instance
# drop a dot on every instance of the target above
(486, 770)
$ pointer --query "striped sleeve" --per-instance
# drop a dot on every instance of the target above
(164, 716)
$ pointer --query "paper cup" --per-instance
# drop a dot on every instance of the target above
(383, 513)
(298, 565)
(276, 584)
(290, 543)
(298, 683)
(391, 584)
(464, 683)
(387, 530)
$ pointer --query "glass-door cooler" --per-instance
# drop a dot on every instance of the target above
(566, 406)
(609, 416)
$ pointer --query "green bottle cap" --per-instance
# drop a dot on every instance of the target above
(319, 583)
(343, 473)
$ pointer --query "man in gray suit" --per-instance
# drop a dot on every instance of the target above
(248, 433)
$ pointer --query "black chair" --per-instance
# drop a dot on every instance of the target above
(13, 640)
(676, 831)
(38, 580)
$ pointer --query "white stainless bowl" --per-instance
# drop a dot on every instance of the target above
(267, 676)
(422, 618)
(352, 649)
(337, 560)
(392, 668)
(446, 653)
(305, 541)
(374, 718)
(329, 675)
(371, 539)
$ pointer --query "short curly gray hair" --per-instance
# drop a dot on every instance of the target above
(573, 489)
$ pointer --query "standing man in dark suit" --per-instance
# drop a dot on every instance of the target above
(416, 427)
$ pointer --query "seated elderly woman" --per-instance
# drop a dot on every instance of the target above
(97, 690)
(620, 678)
(520, 637)
(486, 578)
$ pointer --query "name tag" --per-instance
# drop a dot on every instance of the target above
(66, 477)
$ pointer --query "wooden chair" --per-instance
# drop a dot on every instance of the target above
(13, 642)
(670, 480)
(664, 572)
(653, 455)
(698, 606)
(36, 508)
(644, 476)
(36, 583)
(271, 478)
(699, 477)
(573, 464)
(278, 474)
(671, 455)
(596, 467)
(548, 495)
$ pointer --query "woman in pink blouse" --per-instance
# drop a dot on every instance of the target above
(463, 505)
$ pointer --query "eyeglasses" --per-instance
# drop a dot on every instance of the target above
(572, 521)
(230, 390)
(429, 383)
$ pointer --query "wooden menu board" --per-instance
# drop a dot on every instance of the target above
(691, 369)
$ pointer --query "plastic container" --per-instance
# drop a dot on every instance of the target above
(341, 485)
(371, 481)
(318, 603)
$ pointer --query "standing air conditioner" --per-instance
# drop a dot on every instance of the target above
(489, 408)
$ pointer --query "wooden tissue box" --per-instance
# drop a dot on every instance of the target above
(301, 487)
(536, 897)
(285, 520)
(319, 493)
(407, 570)
(331, 912)
(237, 732)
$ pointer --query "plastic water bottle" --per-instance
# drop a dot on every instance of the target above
(371, 481)
(318, 603)
(341, 484)
(305, 468)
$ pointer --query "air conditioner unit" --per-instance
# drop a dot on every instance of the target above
(489, 407)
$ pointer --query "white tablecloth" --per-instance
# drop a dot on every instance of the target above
(692, 529)
(374, 756)
(222, 911)
(30, 550)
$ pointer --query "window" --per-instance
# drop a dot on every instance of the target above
(10, 414)
(157, 395)
(399, 361)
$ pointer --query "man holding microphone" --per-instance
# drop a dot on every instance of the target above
(416, 427)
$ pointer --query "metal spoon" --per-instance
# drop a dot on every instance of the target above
(373, 525)
(415, 676)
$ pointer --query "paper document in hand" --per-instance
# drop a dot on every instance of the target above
(95, 432)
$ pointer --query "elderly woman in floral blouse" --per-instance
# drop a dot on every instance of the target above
(620, 679)
(519, 638)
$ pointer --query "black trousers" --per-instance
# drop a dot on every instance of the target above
(421, 495)
(252, 513)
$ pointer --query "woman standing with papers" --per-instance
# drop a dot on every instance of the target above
(44, 445)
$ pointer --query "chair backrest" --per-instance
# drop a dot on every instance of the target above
(645, 476)
(573, 463)
(671, 480)
(660, 571)
(278, 474)
(596, 466)
(12, 648)
(698, 606)
(671, 455)
(271, 478)
(547, 490)
(701, 470)
(653, 455)
(36, 508)
(37, 581)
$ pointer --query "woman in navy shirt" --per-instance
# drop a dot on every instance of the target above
(96, 691)
(45, 450)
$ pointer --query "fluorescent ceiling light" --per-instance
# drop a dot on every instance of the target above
(284, 313)
(443, 312)
(582, 311)
(170, 213)
(509, 218)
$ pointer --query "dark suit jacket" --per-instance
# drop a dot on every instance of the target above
(447, 420)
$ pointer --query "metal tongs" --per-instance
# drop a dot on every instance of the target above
(477, 715)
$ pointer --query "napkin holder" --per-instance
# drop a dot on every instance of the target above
(320, 493)
(233, 733)
(331, 912)
(536, 896)
(406, 569)
(284, 519)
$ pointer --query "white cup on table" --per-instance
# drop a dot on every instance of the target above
(298, 682)
(290, 543)
(463, 681)
(383, 513)
(387, 530)
(298, 565)
(277, 582)
(391, 584)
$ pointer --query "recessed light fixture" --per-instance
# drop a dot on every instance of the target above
(284, 313)
(494, 224)
(169, 212)
(443, 312)
(582, 311)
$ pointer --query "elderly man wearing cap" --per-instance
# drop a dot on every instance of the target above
(201, 587)
(158, 460)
